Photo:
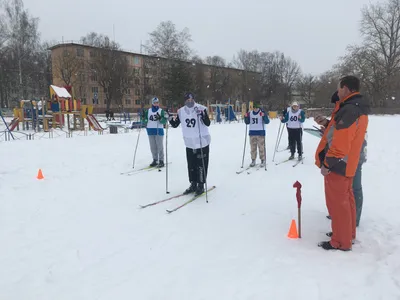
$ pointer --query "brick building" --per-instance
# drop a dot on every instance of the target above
(71, 65)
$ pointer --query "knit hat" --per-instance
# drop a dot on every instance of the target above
(295, 103)
(189, 96)
(155, 100)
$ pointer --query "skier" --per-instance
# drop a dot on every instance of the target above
(256, 120)
(154, 119)
(195, 122)
(295, 118)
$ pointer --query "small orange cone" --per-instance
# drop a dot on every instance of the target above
(293, 230)
(40, 175)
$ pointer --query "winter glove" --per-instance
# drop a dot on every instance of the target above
(247, 115)
(157, 117)
(262, 114)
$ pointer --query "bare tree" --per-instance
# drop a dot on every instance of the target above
(218, 78)
(66, 65)
(23, 39)
(111, 69)
(174, 68)
(248, 60)
(379, 57)
(306, 86)
(369, 66)
(380, 27)
(166, 41)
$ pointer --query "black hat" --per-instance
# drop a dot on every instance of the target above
(335, 97)
(189, 96)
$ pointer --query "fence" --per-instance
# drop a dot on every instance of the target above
(6, 136)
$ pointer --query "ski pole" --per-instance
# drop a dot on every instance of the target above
(265, 150)
(202, 157)
(137, 143)
(166, 155)
(276, 143)
(244, 147)
(280, 136)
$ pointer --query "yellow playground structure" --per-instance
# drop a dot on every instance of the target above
(51, 113)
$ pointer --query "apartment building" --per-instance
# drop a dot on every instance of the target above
(72, 65)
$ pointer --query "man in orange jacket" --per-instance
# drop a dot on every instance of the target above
(337, 156)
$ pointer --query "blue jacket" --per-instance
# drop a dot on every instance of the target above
(265, 121)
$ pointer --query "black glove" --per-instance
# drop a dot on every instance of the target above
(157, 117)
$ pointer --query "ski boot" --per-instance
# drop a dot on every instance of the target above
(200, 189)
(191, 189)
(262, 165)
(154, 163)
(291, 157)
(253, 163)
(160, 164)
(300, 157)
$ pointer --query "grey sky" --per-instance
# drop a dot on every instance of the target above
(313, 32)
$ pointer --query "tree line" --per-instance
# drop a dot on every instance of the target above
(171, 67)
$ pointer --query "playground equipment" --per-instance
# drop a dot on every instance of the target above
(5, 123)
(51, 114)
(227, 110)
(87, 113)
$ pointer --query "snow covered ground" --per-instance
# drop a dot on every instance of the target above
(78, 234)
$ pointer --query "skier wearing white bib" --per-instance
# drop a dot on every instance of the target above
(154, 119)
(295, 118)
(256, 120)
(195, 122)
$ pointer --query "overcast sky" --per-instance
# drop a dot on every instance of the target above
(313, 32)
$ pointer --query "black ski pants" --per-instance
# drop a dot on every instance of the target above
(196, 171)
(295, 138)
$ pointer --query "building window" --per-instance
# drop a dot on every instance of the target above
(127, 101)
(137, 102)
(95, 90)
(137, 81)
(79, 52)
(136, 71)
(128, 91)
(65, 53)
(92, 53)
(93, 77)
(137, 92)
(136, 60)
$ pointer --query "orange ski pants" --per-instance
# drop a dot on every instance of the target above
(341, 207)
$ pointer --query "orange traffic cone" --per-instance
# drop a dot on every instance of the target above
(293, 230)
(40, 175)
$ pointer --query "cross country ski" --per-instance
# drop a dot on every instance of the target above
(190, 200)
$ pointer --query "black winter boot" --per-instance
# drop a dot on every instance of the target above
(200, 189)
(191, 189)
(154, 163)
(160, 164)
